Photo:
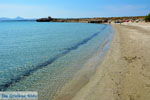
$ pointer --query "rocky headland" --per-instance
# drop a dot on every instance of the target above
(94, 20)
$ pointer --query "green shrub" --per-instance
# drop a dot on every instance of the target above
(147, 18)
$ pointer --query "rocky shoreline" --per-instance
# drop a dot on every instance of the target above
(93, 20)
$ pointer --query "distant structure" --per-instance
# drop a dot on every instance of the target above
(45, 19)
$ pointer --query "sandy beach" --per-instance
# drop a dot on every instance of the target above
(125, 72)
(75, 50)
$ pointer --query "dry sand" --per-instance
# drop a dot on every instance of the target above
(125, 72)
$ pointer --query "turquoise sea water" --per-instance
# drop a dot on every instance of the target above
(44, 56)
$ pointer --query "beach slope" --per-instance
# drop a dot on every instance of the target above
(125, 72)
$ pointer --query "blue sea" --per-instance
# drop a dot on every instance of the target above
(45, 56)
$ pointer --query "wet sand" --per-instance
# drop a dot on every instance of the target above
(125, 72)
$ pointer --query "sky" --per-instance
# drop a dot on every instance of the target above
(73, 8)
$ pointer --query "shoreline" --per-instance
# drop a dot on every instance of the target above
(124, 73)
(94, 20)
(83, 76)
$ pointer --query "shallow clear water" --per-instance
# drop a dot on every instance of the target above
(44, 56)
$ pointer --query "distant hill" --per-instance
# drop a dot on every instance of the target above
(19, 18)
(4, 18)
(15, 19)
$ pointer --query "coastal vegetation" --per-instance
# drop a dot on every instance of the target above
(147, 18)
(94, 20)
